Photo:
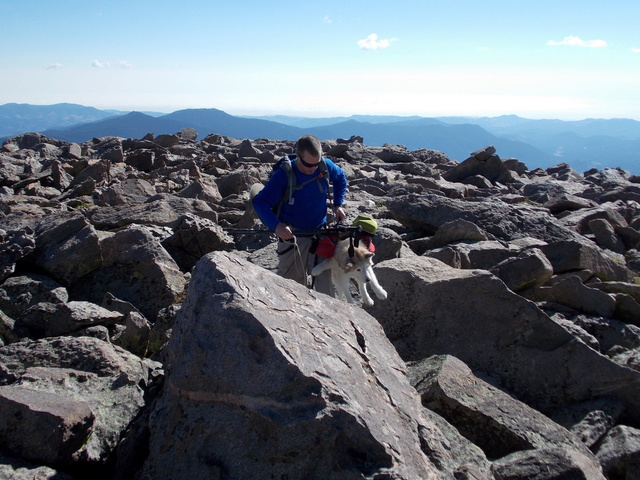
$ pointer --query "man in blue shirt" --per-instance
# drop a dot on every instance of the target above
(307, 210)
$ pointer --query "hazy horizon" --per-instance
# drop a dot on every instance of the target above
(311, 115)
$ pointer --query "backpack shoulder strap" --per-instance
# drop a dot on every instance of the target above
(324, 173)
(287, 167)
(284, 164)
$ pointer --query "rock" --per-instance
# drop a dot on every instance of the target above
(549, 464)
(144, 258)
(193, 238)
(490, 168)
(570, 291)
(515, 341)
(605, 235)
(18, 469)
(295, 403)
(128, 191)
(490, 418)
(143, 160)
(14, 246)
(18, 293)
(481, 254)
(202, 190)
(237, 182)
(425, 213)
(529, 269)
(43, 427)
(455, 231)
(57, 319)
(619, 453)
(590, 421)
(567, 256)
(187, 134)
(67, 247)
(86, 372)
(162, 211)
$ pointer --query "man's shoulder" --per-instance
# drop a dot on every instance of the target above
(331, 165)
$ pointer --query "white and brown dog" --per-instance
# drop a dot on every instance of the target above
(357, 265)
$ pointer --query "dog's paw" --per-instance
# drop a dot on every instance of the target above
(367, 301)
(316, 271)
(382, 294)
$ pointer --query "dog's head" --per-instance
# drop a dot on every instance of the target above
(360, 259)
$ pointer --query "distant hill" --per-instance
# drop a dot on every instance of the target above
(131, 125)
(16, 118)
(212, 120)
(457, 141)
(585, 144)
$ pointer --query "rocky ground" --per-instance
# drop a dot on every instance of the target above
(143, 337)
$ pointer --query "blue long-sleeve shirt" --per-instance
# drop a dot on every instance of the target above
(309, 209)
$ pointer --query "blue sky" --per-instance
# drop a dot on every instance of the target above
(537, 59)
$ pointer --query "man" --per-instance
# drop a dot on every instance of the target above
(307, 210)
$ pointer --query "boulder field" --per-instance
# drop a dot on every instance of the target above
(145, 335)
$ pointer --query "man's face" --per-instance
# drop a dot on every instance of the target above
(308, 162)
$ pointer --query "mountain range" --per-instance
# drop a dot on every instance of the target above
(584, 144)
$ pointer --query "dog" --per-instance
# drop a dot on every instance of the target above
(357, 266)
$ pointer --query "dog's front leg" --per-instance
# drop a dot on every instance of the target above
(380, 292)
(366, 299)
(321, 267)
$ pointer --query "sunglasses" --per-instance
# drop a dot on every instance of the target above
(308, 165)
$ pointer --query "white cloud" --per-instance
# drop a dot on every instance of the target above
(125, 64)
(574, 41)
(99, 64)
(636, 50)
(373, 43)
(53, 66)
(327, 19)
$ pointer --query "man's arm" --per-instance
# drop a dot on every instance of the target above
(269, 197)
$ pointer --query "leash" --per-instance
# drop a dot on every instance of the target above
(323, 232)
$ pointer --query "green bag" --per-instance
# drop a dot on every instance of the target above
(367, 223)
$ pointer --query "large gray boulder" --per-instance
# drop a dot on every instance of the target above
(13, 247)
(499, 220)
(18, 469)
(67, 247)
(82, 392)
(619, 453)
(489, 417)
(470, 314)
(160, 210)
(267, 379)
(143, 274)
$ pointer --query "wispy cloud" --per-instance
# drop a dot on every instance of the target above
(327, 19)
(119, 63)
(636, 50)
(573, 41)
(53, 66)
(373, 43)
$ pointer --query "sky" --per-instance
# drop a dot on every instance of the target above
(566, 59)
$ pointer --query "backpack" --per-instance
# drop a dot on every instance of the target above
(285, 163)
(369, 227)
(326, 245)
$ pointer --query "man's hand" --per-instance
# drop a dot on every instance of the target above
(284, 232)
(339, 214)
